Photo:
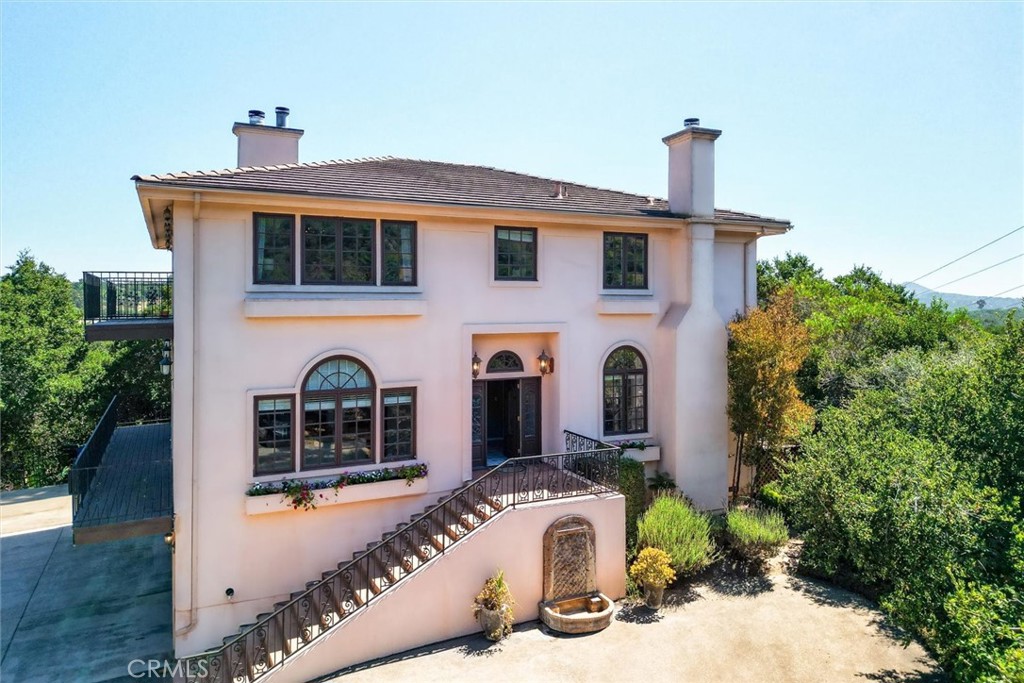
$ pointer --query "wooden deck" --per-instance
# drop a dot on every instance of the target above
(131, 494)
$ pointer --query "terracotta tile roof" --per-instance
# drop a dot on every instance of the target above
(432, 182)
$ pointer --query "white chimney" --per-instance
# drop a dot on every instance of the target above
(260, 145)
(691, 169)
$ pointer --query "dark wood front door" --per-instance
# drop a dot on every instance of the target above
(505, 419)
(529, 416)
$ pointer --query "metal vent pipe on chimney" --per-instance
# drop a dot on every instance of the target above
(691, 123)
(282, 116)
(256, 117)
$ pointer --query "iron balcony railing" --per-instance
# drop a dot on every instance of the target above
(587, 467)
(87, 462)
(127, 295)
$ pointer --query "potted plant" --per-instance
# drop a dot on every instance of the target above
(653, 569)
(493, 608)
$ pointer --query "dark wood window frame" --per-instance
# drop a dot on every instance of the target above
(257, 472)
(338, 395)
(497, 252)
(624, 375)
(415, 254)
(384, 423)
(339, 254)
(503, 357)
(255, 249)
(622, 256)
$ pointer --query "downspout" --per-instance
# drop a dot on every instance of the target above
(192, 621)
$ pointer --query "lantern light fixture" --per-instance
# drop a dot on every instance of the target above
(476, 365)
(547, 363)
(165, 361)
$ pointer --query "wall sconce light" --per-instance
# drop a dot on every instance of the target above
(547, 363)
(165, 362)
(476, 365)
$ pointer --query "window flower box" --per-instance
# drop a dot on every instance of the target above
(646, 453)
(309, 494)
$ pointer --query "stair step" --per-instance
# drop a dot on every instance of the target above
(494, 503)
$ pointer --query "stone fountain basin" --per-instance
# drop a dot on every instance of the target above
(583, 614)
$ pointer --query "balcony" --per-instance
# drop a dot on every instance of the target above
(128, 305)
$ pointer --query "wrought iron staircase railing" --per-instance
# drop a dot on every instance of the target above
(586, 467)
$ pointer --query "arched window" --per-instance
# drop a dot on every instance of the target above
(625, 392)
(338, 410)
(505, 361)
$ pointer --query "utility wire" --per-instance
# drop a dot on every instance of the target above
(1005, 291)
(980, 271)
(961, 258)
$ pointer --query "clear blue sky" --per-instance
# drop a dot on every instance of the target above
(891, 135)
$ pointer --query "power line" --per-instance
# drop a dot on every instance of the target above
(1005, 291)
(980, 271)
(961, 258)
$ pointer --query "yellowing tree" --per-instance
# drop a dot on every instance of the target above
(766, 350)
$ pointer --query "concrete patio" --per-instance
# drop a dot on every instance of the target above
(76, 613)
(776, 628)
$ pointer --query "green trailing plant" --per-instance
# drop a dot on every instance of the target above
(754, 534)
(652, 568)
(631, 485)
(638, 445)
(672, 524)
(496, 596)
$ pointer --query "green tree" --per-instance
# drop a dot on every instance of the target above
(48, 388)
(775, 274)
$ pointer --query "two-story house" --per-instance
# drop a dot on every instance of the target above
(367, 317)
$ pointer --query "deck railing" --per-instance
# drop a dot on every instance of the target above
(87, 462)
(586, 467)
(127, 295)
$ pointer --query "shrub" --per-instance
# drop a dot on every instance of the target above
(631, 484)
(653, 568)
(673, 525)
(771, 495)
(754, 533)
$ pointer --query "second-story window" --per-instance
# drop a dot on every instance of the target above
(625, 260)
(398, 253)
(274, 244)
(515, 253)
(337, 251)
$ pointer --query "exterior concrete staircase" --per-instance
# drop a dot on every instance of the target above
(260, 648)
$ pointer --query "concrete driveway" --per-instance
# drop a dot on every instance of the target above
(775, 628)
(76, 613)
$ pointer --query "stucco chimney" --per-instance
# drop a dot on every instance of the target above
(260, 145)
(691, 169)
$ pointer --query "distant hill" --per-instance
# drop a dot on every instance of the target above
(967, 301)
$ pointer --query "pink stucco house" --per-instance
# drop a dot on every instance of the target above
(462, 343)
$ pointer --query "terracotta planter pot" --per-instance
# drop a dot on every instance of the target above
(653, 596)
(491, 623)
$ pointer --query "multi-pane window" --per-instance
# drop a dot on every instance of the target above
(625, 392)
(338, 414)
(337, 251)
(398, 253)
(274, 443)
(334, 251)
(515, 253)
(274, 245)
(625, 261)
(399, 424)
